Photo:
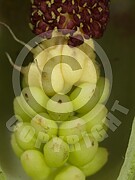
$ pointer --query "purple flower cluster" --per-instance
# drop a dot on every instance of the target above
(89, 17)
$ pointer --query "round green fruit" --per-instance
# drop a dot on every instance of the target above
(34, 165)
(25, 136)
(86, 152)
(56, 152)
(70, 172)
(97, 163)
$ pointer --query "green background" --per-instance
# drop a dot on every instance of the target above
(117, 42)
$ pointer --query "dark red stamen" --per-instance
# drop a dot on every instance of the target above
(75, 40)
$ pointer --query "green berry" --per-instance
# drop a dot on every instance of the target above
(97, 163)
(70, 172)
(25, 136)
(56, 152)
(86, 152)
(34, 164)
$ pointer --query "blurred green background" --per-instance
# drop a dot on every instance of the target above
(117, 42)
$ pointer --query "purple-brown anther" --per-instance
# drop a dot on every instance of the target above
(89, 17)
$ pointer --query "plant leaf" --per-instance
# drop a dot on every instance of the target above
(128, 169)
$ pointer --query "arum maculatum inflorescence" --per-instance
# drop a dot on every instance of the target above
(61, 110)
(89, 17)
(58, 133)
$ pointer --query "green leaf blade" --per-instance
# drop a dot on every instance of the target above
(128, 169)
